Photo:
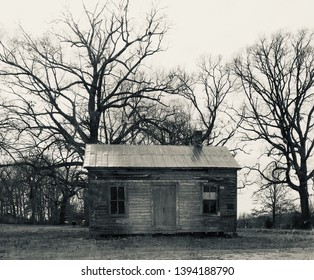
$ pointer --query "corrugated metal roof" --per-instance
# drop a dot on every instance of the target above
(158, 156)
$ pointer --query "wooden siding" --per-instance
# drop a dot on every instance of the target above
(139, 216)
(138, 208)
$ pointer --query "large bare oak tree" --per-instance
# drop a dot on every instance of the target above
(277, 77)
(65, 87)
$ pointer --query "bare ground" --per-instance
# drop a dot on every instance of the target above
(66, 242)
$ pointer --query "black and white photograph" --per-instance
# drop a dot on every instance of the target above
(157, 130)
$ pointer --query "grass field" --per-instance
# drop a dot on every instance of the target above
(66, 242)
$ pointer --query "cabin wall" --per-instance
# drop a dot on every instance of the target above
(138, 215)
(140, 186)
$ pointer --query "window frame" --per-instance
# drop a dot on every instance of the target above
(209, 186)
(125, 200)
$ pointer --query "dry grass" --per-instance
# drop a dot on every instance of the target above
(65, 242)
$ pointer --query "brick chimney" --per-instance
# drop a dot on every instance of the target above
(197, 138)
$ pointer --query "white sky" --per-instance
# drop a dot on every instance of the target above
(198, 27)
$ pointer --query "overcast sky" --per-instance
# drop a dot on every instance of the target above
(198, 27)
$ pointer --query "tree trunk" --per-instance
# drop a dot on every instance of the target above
(63, 205)
(55, 213)
(32, 201)
(274, 206)
(274, 216)
(94, 122)
(93, 135)
(1, 206)
(305, 209)
(86, 207)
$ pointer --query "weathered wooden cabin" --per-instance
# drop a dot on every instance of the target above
(161, 189)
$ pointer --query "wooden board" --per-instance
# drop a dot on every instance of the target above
(164, 205)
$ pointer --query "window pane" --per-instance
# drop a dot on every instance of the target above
(213, 189)
(121, 207)
(213, 207)
(206, 188)
(205, 206)
(206, 195)
(212, 196)
(114, 207)
(114, 195)
(121, 193)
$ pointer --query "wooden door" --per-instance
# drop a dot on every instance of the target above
(164, 205)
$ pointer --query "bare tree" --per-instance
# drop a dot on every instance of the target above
(168, 125)
(38, 190)
(272, 198)
(62, 86)
(207, 90)
(277, 77)
(23, 192)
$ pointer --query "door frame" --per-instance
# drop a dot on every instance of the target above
(171, 184)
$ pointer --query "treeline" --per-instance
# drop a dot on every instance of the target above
(38, 193)
(288, 220)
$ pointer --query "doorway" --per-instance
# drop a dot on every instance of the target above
(164, 205)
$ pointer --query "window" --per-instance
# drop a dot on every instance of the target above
(210, 199)
(117, 200)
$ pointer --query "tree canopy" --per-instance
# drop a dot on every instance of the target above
(277, 77)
